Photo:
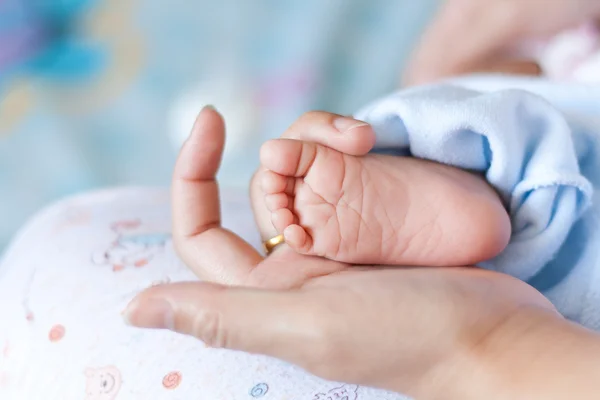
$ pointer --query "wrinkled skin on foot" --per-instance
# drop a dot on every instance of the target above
(376, 209)
(419, 331)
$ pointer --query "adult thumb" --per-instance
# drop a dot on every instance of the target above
(281, 324)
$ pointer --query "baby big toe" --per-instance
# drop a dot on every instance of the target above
(298, 239)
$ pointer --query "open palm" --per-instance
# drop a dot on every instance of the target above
(403, 329)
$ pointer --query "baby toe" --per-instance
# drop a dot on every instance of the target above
(281, 219)
(272, 183)
(275, 155)
(298, 239)
(277, 201)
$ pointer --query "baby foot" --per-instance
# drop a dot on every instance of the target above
(379, 209)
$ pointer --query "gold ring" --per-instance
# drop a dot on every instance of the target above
(272, 243)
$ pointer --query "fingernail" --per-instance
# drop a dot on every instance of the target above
(150, 313)
(208, 107)
(344, 124)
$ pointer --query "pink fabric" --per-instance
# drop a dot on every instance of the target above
(573, 55)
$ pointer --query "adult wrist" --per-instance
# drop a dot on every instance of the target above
(534, 353)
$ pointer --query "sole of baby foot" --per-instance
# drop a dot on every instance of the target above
(307, 192)
(379, 209)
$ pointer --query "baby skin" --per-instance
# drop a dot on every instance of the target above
(376, 209)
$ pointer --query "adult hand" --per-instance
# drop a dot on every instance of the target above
(217, 255)
(475, 35)
(423, 332)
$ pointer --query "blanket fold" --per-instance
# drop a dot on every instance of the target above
(527, 149)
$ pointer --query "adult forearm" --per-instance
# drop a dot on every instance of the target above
(535, 355)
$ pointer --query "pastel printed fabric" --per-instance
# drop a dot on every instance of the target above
(63, 284)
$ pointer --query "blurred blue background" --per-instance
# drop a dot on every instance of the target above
(99, 93)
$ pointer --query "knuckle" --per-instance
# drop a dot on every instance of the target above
(209, 328)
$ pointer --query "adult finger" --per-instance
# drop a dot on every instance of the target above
(212, 252)
(282, 324)
(511, 67)
(464, 35)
